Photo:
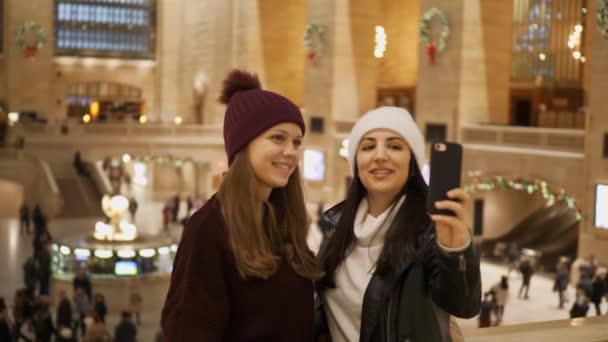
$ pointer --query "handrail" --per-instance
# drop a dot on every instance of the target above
(100, 178)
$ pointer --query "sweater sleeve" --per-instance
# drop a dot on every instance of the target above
(455, 282)
(197, 304)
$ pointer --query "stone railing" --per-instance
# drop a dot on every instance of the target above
(566, 140)
(578, 329)
(99, 177)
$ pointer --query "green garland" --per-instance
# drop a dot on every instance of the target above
(530, 187)
(602, 17)
(39, 31)
(425, 23)
(315, 47)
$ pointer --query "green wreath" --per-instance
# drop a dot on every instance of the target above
(31, 48)
(425, 23)
(314, 41)
(602, 17)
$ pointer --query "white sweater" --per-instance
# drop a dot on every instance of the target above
(344, 303)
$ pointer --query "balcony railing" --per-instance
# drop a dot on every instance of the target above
(555, 139)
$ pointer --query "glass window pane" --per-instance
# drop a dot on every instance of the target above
(105, 28)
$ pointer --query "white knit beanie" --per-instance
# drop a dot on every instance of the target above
(396, 119)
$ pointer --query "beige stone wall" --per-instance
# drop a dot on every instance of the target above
(504, 209)
(282, 30)
(486, 58)
(569, 175)
(364, 16)
(595, 240)
(401, 21)
(438, 86)
(29, 81)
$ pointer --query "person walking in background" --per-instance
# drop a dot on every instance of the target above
(42, 321)
(44, 268)
(24, 219)
(526, 269)
(485, 313)
(100, 307)
(22, 312)
(512, 257)
(6, 326)
(126, 331)
(166, 218)
(176, 202)
(598, 290)
(501, 295)
(82, 281)
(580, 307)
(82, 305)
(133, 207)
(135, 299)
(30, 277)
(65, 316)
(562, 279)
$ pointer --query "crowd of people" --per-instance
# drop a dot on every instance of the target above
(80, 318)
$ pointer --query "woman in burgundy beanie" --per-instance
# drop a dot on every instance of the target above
(243, 271)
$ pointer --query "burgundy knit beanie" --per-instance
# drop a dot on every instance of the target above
(252, 110)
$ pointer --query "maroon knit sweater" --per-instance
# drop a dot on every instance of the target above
(209, 301)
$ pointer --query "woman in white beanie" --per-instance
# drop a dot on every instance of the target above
(392, 271)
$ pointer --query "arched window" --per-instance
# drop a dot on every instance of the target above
(548, 41)
(105, 28)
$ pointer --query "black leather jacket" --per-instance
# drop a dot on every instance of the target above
(415, 303)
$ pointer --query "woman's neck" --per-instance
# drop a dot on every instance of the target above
(378, 203)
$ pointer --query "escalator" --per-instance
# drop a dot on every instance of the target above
(551, 231)
(81, 197)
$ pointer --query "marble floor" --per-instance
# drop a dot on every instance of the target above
(16, 247)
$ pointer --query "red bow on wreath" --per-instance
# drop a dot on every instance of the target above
(431, 51)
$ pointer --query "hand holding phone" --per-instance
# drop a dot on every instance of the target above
(446, 164)
(446, 200)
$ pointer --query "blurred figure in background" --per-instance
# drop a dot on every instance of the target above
(562, 279)
(485, 314)
(598, 290)
(5, 324)
(513, 257)
(100, 307)
(526, 269)
(125, 331)
(581, 304)
(501, 295)
(44, 329)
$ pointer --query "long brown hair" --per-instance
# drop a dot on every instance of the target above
(262, 234)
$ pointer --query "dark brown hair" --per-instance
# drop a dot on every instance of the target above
(262, 234)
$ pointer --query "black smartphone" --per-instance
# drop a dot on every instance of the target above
(446, 164)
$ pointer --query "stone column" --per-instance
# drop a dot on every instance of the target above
(470, 81)
(591, 239)
(169, 45)
(29, 80)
